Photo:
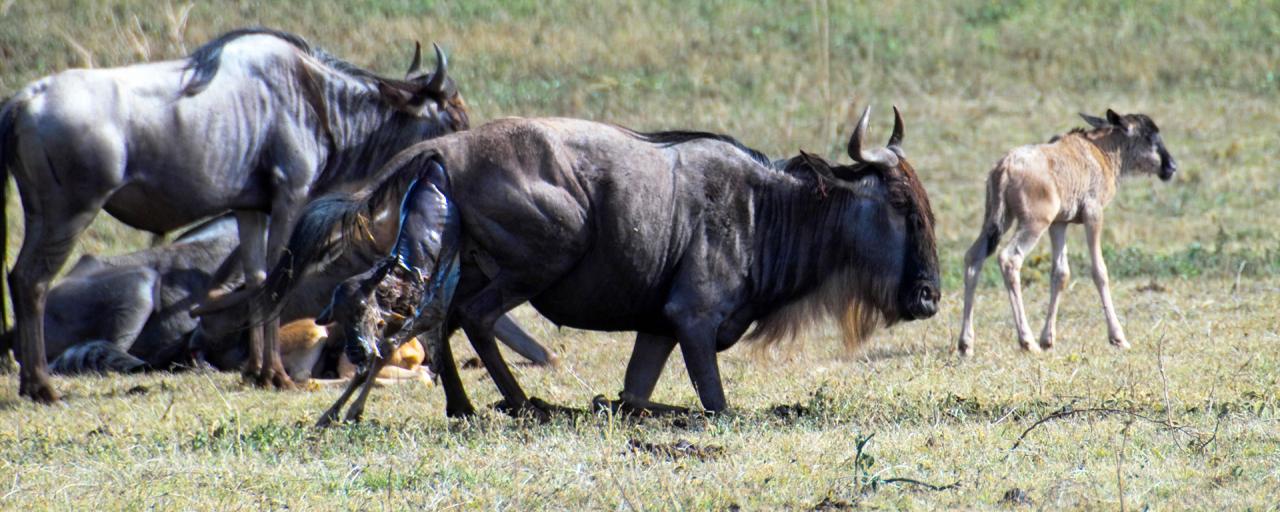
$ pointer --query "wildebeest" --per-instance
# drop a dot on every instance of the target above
(130, 312)
(1048, 186)
(687, 238)
(253, 121)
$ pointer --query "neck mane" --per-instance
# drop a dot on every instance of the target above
(804, 270)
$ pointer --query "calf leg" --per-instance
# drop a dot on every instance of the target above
(1061, 275)
(1093, 234)
(1011, 259)
(973, 261)
(331, 415)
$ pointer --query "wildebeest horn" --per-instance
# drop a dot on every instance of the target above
(416, 65)
(439, 76)
(895, 140)
(877, 156)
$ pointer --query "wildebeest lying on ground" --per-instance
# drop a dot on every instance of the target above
(686, 237)
(130, 312)
(254, 121)
(1045, 187)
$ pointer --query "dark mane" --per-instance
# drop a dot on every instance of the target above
(674, 137)
(204, 62)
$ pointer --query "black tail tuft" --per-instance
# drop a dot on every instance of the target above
(95, 357)
(992, 232)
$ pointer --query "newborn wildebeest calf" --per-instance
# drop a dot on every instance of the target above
(1047, 186)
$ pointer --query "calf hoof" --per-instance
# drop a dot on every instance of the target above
(1028, 346)
(965, 349)
(1120, 343)
(1046, 344)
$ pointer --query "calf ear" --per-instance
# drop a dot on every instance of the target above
(1114, 118)
(1096, 122)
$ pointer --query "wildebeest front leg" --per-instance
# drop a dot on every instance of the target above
(1060, 276)
(1011, 258)
(648, 359)
(456, 403)
(1093, 234)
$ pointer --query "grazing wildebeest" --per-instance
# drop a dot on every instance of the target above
(687, 238)
(1048, 186)
(253, 122)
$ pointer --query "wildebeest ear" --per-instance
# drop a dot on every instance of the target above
(394, 95)
(1096, 122)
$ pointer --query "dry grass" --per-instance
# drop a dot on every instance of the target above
(974, 80)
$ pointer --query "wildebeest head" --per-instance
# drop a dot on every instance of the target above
(431, 95)
(918, 290)
(1143, 148)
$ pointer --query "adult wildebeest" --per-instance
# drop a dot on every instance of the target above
(253, 122)
(1048, 186)
(130, 312)
(686, 237)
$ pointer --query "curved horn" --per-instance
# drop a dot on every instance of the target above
(895, 140)
(858, 154)
(415, 65)
(855, 142)
(438, 77)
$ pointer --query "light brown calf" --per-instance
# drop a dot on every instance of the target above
(1044, 187)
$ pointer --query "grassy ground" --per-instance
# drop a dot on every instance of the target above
(973, 79)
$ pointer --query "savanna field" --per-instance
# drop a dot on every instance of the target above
(1187, 419)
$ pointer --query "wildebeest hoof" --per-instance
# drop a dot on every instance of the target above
(964, 349)
(1120, 343)
(625, 406)
(532, 408)
(1046, 344)
(1028, 346)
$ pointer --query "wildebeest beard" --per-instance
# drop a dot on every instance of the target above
(855, 291)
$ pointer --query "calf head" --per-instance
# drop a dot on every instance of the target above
(1141, 146)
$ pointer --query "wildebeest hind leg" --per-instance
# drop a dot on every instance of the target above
(477, 316)
(53, 221)
(457, 405)
(648, 358)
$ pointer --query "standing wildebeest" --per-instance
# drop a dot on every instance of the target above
(1048, 186)
(253, 122)
(686, 237)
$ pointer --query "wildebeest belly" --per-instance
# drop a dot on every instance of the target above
(596, 297)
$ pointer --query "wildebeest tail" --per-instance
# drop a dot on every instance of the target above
(8, 111)
(95, 357)
(993, 215)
